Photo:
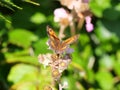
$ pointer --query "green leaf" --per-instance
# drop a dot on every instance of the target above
(117, 87)
(21, 56)
(70, 80)
(87, 52)
(76, 60)
(28, 77)
(22, 37)
(98, 6)
(41, 47)
(105, 80)
(113, 28)
(117, 64)
(118, 55)
(84, 39)
(102, 32)
(38, 18)
(19, 71)
(99, 51)
(106, 62)
(117, 68)
(117, 7)
(90, 76)
(111, 14)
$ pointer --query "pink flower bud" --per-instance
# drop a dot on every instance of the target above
(89, 25)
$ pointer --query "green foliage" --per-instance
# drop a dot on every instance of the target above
(96, 58)
(105, 80)
(98, 6)
(27, 79)
(25, 41)
(10, 5)
(38, 18)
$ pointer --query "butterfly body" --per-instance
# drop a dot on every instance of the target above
(56, 44)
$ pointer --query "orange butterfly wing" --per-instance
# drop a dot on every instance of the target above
(52, 34)
(65, 44)
(70, 40)
(54, 41)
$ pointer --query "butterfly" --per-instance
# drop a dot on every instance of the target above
(56, 44)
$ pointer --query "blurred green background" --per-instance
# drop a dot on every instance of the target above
(95, 61)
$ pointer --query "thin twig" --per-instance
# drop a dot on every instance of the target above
(72, 28)
(60, 87)
(61, 32)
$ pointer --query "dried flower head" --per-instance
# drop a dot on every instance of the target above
(44, 59)
(56, 74)
(63, 64)
(57, 62)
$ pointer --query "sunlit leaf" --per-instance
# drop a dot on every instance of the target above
(106, 62)
(117, 67)
(41, 46)
(98, 6)
(105, 80)
(21, 56)
(28, 77)
(19, 71)
(22, 37)
(102, 32)
(38, 18)
(90, 76)
(71, 82)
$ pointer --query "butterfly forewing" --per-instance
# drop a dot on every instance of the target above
(70, 40)
(52, 34)
(54, 41)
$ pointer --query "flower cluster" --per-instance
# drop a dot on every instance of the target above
(57, 63)
(76, 13)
